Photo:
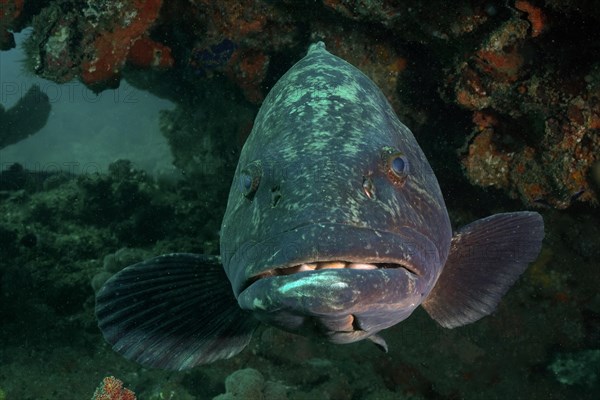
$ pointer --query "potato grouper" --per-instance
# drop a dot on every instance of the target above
(335, 227)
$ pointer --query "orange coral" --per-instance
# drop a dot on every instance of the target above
(237, 19)
(504, 63)
(484, 120)
(248, 69)
(147, 53)
(111, 47)
(485, 164)
(536, 17)
(112, 389)
(594, 121)
(470, 92)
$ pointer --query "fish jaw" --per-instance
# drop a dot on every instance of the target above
(348, 282)
(343, 305)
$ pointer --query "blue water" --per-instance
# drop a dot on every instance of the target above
(85, 131)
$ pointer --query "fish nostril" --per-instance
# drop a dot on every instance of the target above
(275, 195)
(355, 324)
(368, 187)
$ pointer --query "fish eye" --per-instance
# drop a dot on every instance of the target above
(399, 165)
(395, 165)
(249, 179)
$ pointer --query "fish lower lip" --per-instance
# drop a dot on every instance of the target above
(322, 265)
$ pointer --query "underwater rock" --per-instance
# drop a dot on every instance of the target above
(248, 70)
(204, 144)
(94, 41)
(121, 258)
(419, 21)
(25, 118)
(237, 41)
(249, 384)
(99, 279)
(115, 262)
(536, 125)
(579, 368)
(8, 242)
(126, 200)
(515, 61)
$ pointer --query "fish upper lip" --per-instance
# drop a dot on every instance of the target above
(327, 265)
(405, 247)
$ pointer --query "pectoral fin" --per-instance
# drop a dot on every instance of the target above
(486, 258)
(173, 312)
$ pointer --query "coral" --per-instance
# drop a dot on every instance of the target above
(204, 143)
(535, 133)
(10, 10)
(248, 69)
(111, 46)
(240, 21)
(145, 52)
(433, 20)
(238, 39)
(204, 60)
(535, 15)
(115, 262)
(95, 40)
(486, 165)
(112, 389)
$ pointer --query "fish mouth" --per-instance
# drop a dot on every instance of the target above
(344, 300)
(325, 265)
(331, 247)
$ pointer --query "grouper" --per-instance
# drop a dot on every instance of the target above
(335, 228)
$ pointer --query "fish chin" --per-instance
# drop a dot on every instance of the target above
(343, 302)
(337, 281)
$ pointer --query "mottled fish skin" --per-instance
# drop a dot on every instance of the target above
(323, 130)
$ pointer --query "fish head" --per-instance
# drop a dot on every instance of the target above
(335, 223)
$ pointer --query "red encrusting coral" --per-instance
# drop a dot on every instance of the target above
(112, 46)
(112, 388)
(248, 68)
(94, 43)
(145, 52)
(504, 64)
(535, 15)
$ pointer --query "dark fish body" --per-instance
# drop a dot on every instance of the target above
(324, 130)
(335, 227)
